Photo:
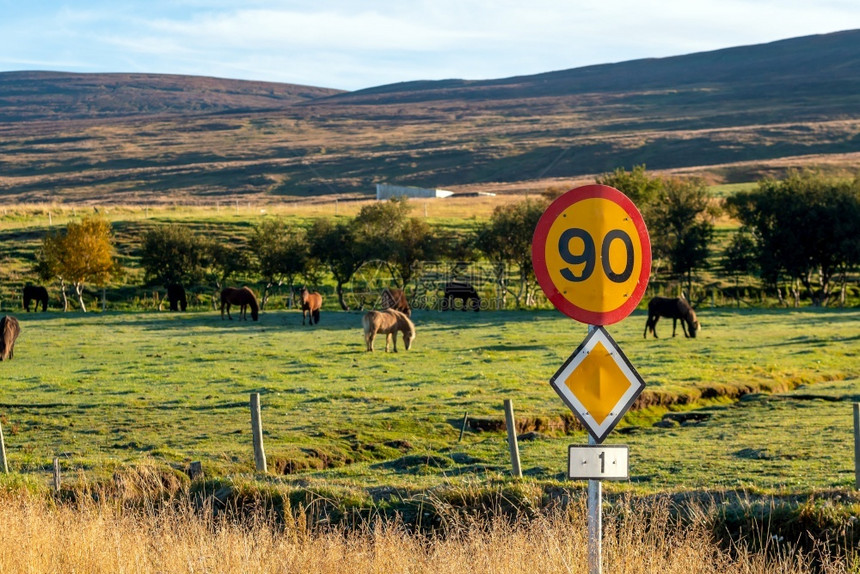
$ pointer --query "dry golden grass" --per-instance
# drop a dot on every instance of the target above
(39, 536)
(22, 215)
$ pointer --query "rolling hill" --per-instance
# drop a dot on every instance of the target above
(730, 115)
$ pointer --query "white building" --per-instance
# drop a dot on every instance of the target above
(386, 191)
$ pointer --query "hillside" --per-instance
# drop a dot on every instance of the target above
(31, 96)
(730, 115)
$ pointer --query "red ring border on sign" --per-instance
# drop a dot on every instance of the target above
(549, 288)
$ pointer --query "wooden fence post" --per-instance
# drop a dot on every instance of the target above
(257, 433)
(3, 465)
(56, 474)
(463, 426)
(512, 439)
(857, 446)
(195, 471)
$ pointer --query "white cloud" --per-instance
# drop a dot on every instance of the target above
(349, 45)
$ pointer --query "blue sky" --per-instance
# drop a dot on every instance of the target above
(357, 44)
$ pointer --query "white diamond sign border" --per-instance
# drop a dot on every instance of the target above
(598, 430)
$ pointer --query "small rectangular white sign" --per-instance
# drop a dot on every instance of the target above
(597, 462)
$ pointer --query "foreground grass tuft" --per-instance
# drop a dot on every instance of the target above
(42, 537)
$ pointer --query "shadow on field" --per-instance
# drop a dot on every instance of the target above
(811, 341)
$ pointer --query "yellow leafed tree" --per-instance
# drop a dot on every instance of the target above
(83, 254)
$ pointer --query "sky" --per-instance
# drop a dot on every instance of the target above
(355, 44)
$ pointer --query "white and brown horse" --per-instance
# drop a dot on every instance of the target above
(388, 322)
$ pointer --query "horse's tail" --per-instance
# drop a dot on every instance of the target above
(316, 315)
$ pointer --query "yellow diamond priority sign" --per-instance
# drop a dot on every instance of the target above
(598, 383)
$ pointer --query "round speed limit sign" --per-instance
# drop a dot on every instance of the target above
(592, 254)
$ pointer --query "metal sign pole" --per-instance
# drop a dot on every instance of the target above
(595, 517)
(595, 523)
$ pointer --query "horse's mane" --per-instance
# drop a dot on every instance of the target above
(402, 319)
(252, 299)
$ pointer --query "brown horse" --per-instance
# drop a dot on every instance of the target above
(389, 322)
(396, 299)
(243, 297)
(311, 303)
(9, 331)
(673, 309)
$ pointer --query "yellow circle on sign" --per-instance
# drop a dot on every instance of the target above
(594, 255)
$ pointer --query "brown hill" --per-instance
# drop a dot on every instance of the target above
(28, 96)
(732, 114)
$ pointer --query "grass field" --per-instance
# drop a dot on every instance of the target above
(752, 418)
(101, 390)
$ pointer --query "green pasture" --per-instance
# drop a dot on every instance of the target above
(102, 390)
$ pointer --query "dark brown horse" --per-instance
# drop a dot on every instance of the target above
(35, 293)
(396, 299)
(463, 291)
(176, 296)
(243, 297)
(311, 303)
(673, 309)
(9, 331)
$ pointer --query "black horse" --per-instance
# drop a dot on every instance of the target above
(462, 291)
(177, 298)
(35, 293)
(673, 309)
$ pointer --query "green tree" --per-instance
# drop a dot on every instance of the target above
(172, 255)
(416, 242)
(221, 262)
(806, 228)
(384, 231)
(335, 245)
(642, 189)
(281, 254)
(739, 259)
(681, 227)
(379, 225)
(83, 253)
(506, 240)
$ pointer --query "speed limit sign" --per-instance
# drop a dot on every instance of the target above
(592, 254)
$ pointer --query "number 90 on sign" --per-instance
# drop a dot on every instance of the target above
(592, 254)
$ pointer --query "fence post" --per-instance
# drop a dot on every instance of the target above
(195, 471)
(463, 426)
(857, 446)
(512, 439)
(3, 465)
(56, 475)
(257, 433)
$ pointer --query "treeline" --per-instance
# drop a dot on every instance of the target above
(799, 237)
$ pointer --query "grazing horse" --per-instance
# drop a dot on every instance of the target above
(396, 299)
(674, 309)
(311, 303)
(9, 331)
(177, 298)
(243, 297)
(35, 293)
(464, 291)
(388, 322)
